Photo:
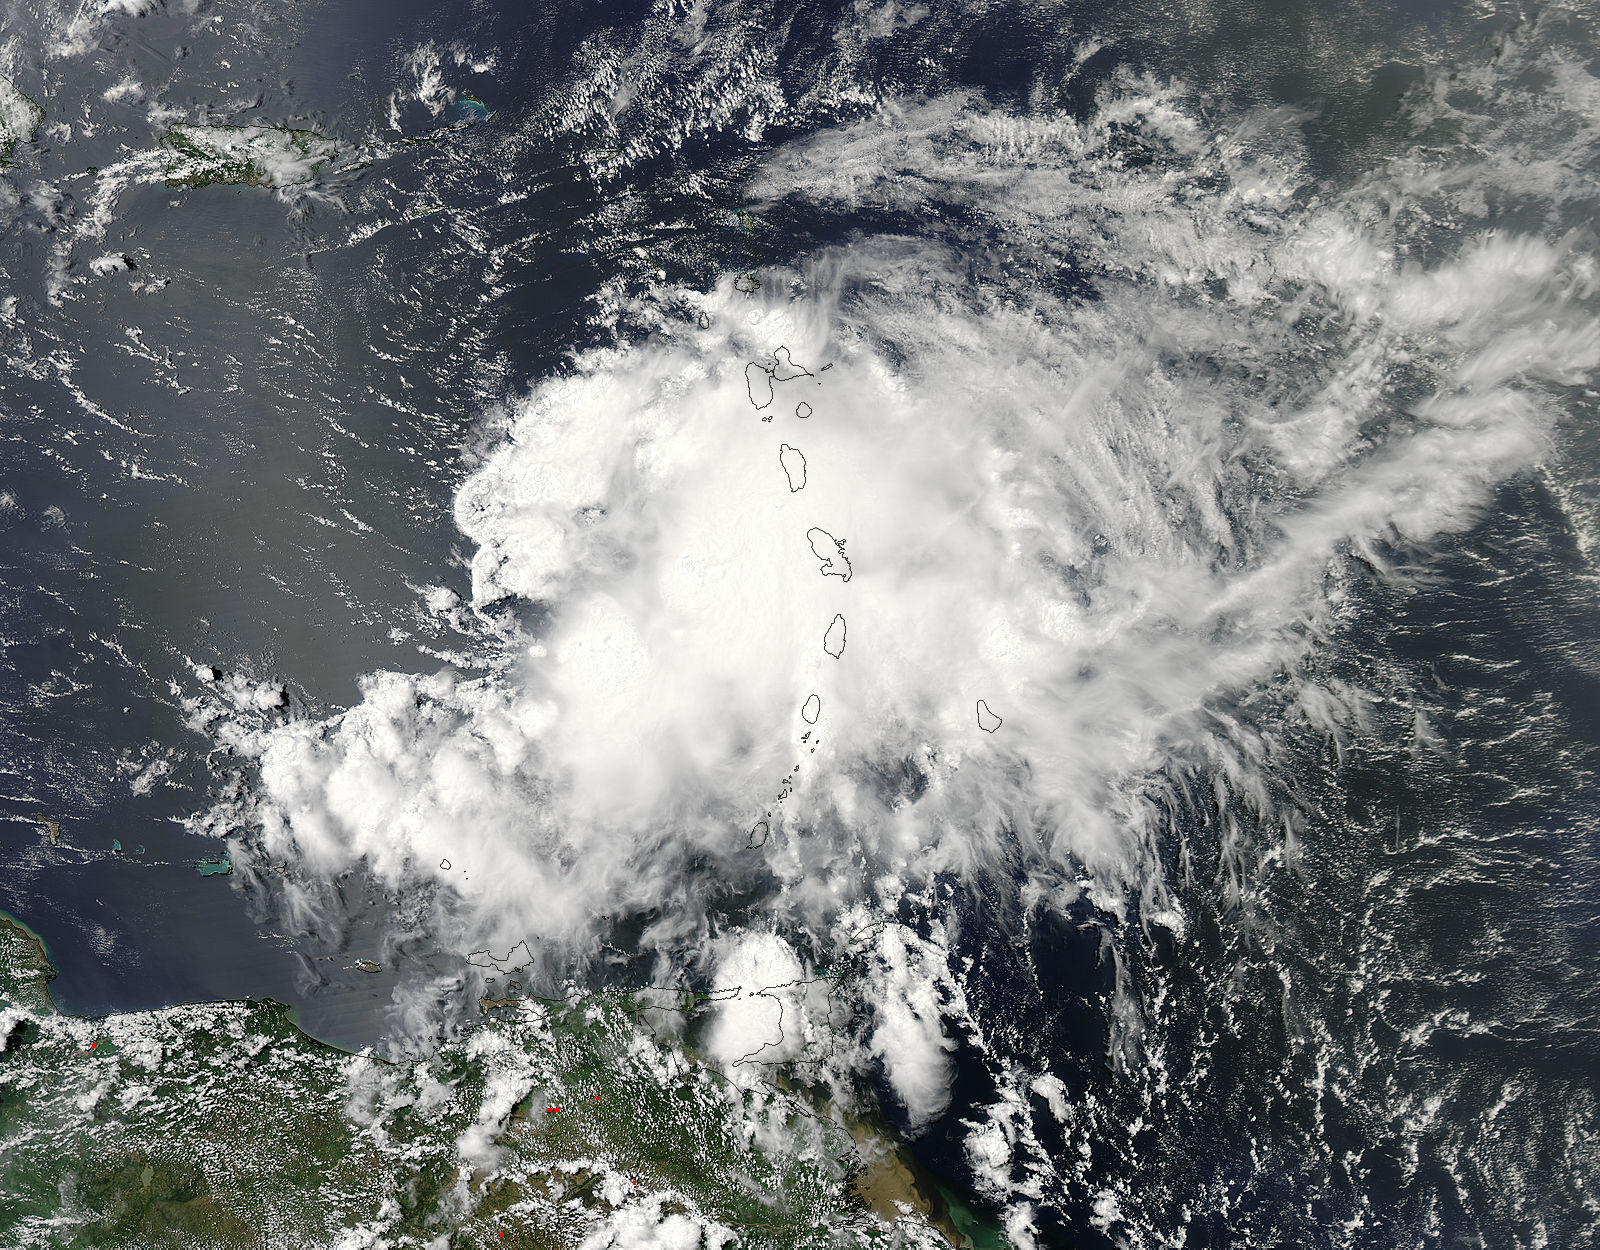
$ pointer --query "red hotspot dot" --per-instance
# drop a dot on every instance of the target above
(92, 1045)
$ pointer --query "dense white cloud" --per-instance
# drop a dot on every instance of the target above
(647, 1225)
(771, 1007)
(127, 90)
(757, 1018)
(1102, 471)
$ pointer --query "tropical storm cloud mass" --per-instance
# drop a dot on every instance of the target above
(1115, 505)
(1071, 630)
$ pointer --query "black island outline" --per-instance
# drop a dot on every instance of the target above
(793, 462)
(833, 641)
(830, 551)
(759, 376)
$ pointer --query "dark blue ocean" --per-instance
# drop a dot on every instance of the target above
(1376, 1028)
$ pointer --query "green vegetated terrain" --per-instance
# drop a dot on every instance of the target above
(222, 1125)
(256, 156)
(20, 119)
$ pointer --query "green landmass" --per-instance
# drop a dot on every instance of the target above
(20, 119)
(255, 156)
(222, 1125)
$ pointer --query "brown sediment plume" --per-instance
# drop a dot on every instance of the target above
(26, 953)
(890, 1180)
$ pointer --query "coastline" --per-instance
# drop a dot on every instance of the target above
(889, 1172)
(22, 925)
(7, 920)
(42, 966)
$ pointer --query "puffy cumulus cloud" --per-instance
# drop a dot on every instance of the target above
(1099, 441)
(12, 1020)
(908, 1036)
(71, 30)
(428, 75)
(647, 1225)
(510, 1075)
(127, 90)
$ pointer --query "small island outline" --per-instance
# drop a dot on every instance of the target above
(830, 551)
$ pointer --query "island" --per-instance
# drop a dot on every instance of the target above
(987, 720)
(784, 367)
(794, 467)
(830, 551)
(833, 641)
(811, 710)
(758, 384)
(760, 375)
(519, 956)
(254, 156)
